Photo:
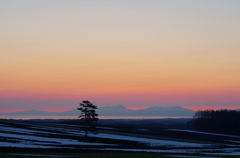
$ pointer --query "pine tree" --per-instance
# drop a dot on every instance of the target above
(89, 116)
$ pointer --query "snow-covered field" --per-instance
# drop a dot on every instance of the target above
(28, 135)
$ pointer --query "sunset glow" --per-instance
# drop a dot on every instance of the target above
(138, 54)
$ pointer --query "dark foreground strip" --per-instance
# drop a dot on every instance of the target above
(59, 150)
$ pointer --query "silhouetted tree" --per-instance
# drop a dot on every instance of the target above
(89, 116)
(219, 121)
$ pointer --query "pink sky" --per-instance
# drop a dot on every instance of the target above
(136, 54)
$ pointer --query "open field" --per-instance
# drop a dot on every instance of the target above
(25, 137)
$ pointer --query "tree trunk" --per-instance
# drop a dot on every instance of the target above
(86, 130)
(86, 133)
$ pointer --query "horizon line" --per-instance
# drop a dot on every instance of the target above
(132, 108)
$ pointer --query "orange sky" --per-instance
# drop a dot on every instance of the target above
(137, 54)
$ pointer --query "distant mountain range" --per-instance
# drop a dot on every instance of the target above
(119, 110)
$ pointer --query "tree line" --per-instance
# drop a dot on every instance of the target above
(219, 121)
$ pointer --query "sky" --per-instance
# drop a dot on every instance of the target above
(137, 53)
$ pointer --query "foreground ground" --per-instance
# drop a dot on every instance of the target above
(18, 138)
(109, 155)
